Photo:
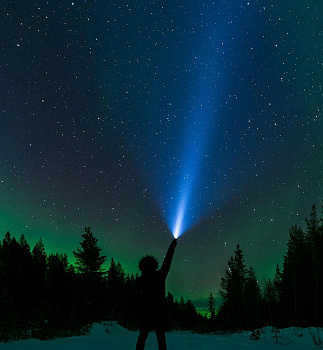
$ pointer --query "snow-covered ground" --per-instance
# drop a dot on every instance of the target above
(111, 336)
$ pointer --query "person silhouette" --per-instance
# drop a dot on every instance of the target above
(150, 299)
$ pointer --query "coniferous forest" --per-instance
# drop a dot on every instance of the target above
(44, 296)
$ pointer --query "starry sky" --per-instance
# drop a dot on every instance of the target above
(132, 117)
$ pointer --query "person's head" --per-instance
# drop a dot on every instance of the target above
(148, 264)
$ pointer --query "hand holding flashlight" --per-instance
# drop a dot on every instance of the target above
(174, 242)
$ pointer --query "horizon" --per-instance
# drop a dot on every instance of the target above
(200, 300)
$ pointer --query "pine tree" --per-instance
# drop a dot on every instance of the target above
(116, 275)
(277, 302)
(60, 290)
(319, 290)
(88, 257)
(89, 263)
(211, 306)
(277, 282)
(312, 228)
(314, 241)
(268, 300)
(25, 278)
(296, 278)
(116, 289)
(189, 315)
(251, 296)
(39, 276)
(232, 290)
(273, 314)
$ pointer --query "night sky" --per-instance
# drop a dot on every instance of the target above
(126, 116)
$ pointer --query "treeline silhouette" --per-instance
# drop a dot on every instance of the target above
(294, 297)
(44, 296)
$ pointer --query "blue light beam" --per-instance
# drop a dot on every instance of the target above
(194, 196)
(187, 201)
(178, 123)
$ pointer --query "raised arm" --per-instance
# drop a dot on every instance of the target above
(168, 258)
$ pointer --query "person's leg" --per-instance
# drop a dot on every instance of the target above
(161, 338)
(143, 335)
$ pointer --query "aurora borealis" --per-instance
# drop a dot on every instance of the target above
(115, 115)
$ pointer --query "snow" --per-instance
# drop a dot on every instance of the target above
(111, 336)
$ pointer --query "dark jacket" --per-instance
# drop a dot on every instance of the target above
(150, 300)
